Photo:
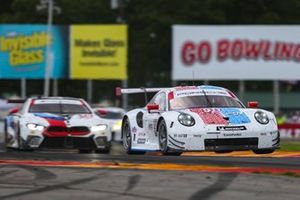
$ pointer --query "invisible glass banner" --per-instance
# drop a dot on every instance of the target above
(23, 51)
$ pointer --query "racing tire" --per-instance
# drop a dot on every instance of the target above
(223, 151)
(263, 151)
(83, 151)
(105, 150)
(126, 133)
(163, 140)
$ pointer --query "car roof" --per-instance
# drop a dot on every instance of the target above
(56, 100)
(180, 91)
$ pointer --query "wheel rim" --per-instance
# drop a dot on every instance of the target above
(163, 137)
(126, 136)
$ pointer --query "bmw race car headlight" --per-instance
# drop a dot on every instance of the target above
(100, 127)
(261, 117)
(117, 126)
(186, 120)
(35, 127)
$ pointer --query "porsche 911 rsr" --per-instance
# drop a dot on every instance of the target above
(197, 118)
(56, 122)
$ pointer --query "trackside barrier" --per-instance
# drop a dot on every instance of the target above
(289, 131)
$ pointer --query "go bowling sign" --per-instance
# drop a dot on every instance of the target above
(236, 52)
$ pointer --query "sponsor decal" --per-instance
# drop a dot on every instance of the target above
(49, 116)
(197, 135)
(141, 134)
(210, 115)
(231, 128)
(235, 116)
(180, 135)
(232, 134)
(141, 141)
(134, 129)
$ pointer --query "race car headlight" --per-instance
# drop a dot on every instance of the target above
(261, 117)
(35, 127)
(100, 127)
(186, 120)
(117, 126)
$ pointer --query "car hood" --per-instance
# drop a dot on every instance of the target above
(49, 119)
(223, 116)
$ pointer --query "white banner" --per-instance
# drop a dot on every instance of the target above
(236, 52)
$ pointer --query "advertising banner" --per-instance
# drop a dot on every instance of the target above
(23, 51)
(98, 52)
(236, 52)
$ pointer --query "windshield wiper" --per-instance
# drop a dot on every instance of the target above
(207, 99)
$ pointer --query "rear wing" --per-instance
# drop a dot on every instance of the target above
(119, 91)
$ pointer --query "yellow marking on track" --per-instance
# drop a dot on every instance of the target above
(276, 154)
(155, 166)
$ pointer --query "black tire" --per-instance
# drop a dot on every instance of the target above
(105, 150)
(83, 151)
(263, 151)
(163, 140)
(126, 137)
(223, 151)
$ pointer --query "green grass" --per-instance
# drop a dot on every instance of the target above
(289, 145)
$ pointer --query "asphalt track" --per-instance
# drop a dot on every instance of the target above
(66, 174)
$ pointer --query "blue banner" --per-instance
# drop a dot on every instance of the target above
(23, 51)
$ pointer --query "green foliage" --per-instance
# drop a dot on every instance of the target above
(150, 24)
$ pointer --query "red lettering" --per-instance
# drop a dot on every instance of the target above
(252, 49)
(204, 52)
(296, 53)
(223, 46)
(188, 53)
(286, 51)
(265, 44)
(237, 50)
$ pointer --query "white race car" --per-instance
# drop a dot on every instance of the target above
(197, 118)
(56, 122)
(113, 117)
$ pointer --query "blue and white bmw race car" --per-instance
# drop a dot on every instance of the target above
(197, 118)
(56, 122)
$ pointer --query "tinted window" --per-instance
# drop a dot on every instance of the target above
(202, 101)
(59, 108)
(110, 115)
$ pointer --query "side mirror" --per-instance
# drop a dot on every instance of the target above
(151, 107)
(14, 110)
(252, 104)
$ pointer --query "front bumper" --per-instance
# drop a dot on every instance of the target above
(222, 141)
(69, 142)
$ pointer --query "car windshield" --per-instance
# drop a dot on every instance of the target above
(215, 101)
(59, 108)
(110, 115)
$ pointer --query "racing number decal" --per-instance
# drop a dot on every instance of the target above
(210, 116)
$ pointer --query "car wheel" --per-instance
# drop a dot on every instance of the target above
(126, 133)
(163, 140)
(105, 150)
(19, 140)
(263, 151)
(223, 151)
(85, 151)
